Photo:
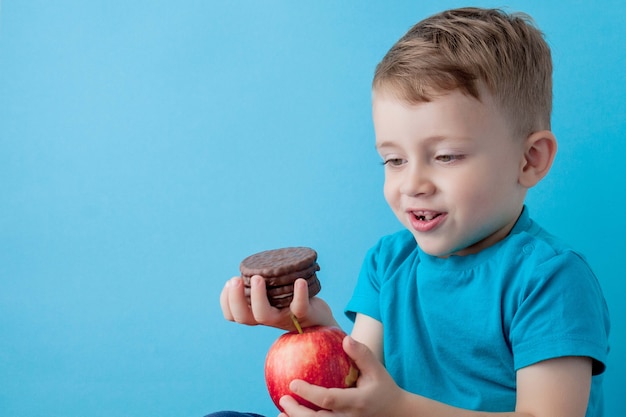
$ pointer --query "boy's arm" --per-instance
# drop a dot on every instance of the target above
(369, 331)
(553, 388)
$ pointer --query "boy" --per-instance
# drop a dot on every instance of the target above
(473, 309)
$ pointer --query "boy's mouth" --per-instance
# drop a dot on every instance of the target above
(425, 216)
(426, 220)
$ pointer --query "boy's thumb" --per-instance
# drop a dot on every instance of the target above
(362, 356)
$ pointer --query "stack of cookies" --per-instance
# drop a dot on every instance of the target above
(280, 268)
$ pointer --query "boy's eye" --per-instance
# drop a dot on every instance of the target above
(393, 162)
(449, 158)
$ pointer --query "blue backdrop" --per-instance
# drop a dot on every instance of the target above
(147, 146)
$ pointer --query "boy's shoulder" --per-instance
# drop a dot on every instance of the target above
(392, 250)
(536, 243)
(397, 244)
(531, 256)
(400, 240)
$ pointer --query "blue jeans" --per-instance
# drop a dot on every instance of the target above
(232, 414)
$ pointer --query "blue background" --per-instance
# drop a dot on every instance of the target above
(146, 147)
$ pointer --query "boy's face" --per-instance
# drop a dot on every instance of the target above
(451, 170)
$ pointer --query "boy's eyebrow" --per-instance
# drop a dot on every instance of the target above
(427, 141)
(382, 144)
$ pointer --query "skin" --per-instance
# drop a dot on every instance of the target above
(455, 162)
(452, 159)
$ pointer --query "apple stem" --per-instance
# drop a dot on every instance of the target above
(295, 323)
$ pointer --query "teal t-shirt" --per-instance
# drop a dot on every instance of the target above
(457, 329)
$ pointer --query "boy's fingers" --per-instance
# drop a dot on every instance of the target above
(261, 308)
(289, 404)
(300, 304)
(293, 407)
(362, 356)
(224, 302)
(237, 302)
(327, 398)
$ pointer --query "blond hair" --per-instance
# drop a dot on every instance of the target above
(458, 49)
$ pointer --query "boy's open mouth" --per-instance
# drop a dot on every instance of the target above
(425, 216)
(426, 220)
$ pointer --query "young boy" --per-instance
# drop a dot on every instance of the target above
(473, 309)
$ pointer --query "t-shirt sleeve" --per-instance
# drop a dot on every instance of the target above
(388, 256)
(561, 313)
(366, 296)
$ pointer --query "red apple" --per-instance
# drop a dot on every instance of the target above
(315, 356)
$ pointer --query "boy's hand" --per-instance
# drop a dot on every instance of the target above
(309, 312)
(376, 393)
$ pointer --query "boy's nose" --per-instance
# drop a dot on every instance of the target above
(417, 181)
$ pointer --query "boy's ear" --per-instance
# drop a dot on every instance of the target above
(539, 151)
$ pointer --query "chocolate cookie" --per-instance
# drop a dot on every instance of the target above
(280, 268)
(286, 279)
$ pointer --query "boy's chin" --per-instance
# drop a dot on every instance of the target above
(444, 249)
(433, 249)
